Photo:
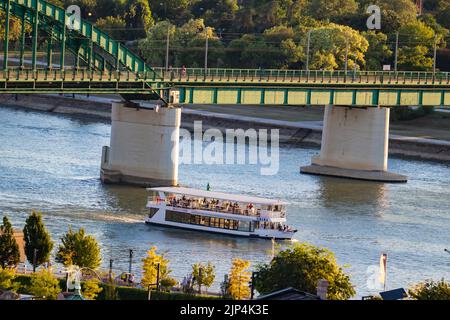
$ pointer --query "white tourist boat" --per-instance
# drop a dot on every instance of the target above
(218, 212)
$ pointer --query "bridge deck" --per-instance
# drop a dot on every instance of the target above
(228, 86)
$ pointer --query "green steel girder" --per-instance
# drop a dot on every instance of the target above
(58, 16)
(88, 44)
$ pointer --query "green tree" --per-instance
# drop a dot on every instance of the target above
(138, 17)
(416, 41)
(431, 290)
(150, 269)
(91, 288)
(190, 42)
(302, 266)
(239, 279)
(207, 276)
(329, 45)
(9, 249)
(114, 26)
(44, 285)
(173, 10)
(7, 276)
(219, 14)
(79, 249)
(394, 13)
(153, 47)
(37, 238)
(379, 52)
(332, 9)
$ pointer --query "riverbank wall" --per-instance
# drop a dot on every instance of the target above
(291, 133)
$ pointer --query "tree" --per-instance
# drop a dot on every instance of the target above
(332, 9)
(150, 269)
(173, 10)
(91, 288)
(79, 249)
(416, 42)
(431, 290)
(220, 14)
(153, 47)
(378, 53)
(394, 14)
(239, 279)
(9, 249)
(328, 47)
(302, 266)
(207, 276)
(7, 276)
(138, 17)
(113, 26)
(37, 238)
(190, 42)
(44, 285)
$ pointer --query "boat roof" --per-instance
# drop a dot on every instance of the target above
(217, 195)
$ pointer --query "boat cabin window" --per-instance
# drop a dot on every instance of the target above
(212, 222)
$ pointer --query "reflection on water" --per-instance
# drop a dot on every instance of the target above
(334, 192)
(51, 163)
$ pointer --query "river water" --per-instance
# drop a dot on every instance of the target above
(51, 163)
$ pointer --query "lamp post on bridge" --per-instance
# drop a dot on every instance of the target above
(308, 46)
(6, 43)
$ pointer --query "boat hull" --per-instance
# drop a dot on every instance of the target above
(287, 236)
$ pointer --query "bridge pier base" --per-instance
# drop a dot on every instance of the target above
(355, 145)
(142, 143)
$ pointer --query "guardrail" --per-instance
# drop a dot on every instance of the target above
(303, 76)
(17, 74)
(179, 76)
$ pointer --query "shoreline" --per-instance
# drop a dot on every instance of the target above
(307, 133)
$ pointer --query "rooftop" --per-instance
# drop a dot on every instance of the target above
(217, 195)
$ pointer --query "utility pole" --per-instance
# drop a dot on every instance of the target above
(434, 56)
(346, 55)
(206, 51)
(158, 275)
(307, 49)
(6, 53)
(35, 36)
(131, 261)
(110, 269)
(252, 288)
(397, 35)
(167, 48)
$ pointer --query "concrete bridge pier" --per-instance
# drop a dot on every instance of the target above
(355, 145)
(143, 140)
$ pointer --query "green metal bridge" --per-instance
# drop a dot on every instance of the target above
(104, 66)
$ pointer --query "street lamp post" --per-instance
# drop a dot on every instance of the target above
(307, 50)
(131, 261)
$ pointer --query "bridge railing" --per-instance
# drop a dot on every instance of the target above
(197, 75)
(80, 74)
(312, 76)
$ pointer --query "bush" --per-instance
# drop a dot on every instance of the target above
(431, 290)
(127, 293)
(406, 113)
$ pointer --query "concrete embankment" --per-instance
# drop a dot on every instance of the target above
(305, 133)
